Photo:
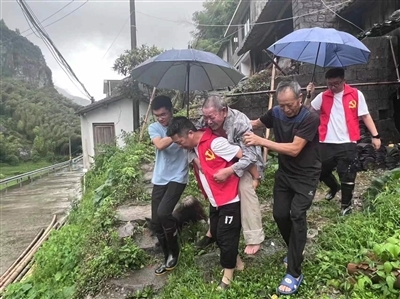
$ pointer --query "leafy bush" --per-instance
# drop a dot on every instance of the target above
(78, 258)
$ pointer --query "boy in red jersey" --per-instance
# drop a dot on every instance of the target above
(216, 153)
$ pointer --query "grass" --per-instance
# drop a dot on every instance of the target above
(9, 171)
(340, 241)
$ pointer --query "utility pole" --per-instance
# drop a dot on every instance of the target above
(133, 24)
(135, 102)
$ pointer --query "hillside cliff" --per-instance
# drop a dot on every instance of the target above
(22, 60)
(36, 122)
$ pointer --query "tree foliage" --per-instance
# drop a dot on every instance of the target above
(126, 62)
(35, 123)
(215, 12)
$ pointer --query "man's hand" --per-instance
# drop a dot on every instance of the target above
(376, 143)
(256, 183)
(310, 88)
(249, 138)
(223, 174)
(197, 162)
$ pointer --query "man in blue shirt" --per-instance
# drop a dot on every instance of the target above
(169, 179)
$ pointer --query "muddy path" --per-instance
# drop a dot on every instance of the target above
(26, 210)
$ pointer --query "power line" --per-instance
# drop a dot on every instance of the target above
(118, 34)
(240, 25)
(49, 43)
(335, 13)
(63, 16)
(51, 15)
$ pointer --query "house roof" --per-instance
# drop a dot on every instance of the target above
(101, 103)
(237, 16)
(112, 99)
(381, 28)
(269, 13)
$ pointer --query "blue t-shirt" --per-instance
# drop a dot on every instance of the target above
(171, 163)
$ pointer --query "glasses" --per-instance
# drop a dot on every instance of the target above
(161, 116)
(334, 84)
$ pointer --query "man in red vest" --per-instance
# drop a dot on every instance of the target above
(340, 108)
(216, 153)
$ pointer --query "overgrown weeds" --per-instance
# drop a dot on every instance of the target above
(78, 258)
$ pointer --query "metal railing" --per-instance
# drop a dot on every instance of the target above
(19, 179)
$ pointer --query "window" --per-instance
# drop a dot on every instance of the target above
(246, 24)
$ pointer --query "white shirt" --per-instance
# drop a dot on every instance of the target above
(337, 131)
(221, 148)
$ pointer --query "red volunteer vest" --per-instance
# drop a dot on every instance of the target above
(211, 163)
(350, 105)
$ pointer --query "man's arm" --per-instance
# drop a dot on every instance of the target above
(256, 124)
(161, 143)
(290, 149)
(306, 133)
(363, 112)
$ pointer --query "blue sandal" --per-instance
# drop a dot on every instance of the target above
(285, 261)
(290, 282)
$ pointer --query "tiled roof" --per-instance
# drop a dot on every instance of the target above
(382, 28)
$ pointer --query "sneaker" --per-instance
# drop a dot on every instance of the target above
(346, 211)
(204, 242)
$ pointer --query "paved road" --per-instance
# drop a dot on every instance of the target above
(24, 211)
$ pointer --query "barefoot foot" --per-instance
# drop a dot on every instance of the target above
(252, 249)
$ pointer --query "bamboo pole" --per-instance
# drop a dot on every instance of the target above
(27, 258)
(5, 274)
(252, 93)
(270, 103)
(147, 115)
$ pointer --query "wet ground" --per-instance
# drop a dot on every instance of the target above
(26, 210)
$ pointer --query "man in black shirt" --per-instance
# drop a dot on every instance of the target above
(296, 134)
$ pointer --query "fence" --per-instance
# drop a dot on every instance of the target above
(19, 179)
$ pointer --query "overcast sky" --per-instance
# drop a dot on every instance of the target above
(84, 36)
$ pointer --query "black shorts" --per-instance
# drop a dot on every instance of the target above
(225, 226)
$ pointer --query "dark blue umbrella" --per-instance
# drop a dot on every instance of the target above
(187, 70)
(326, 47)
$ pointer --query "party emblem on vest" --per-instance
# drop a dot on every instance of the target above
(209, 155)
(352, 104)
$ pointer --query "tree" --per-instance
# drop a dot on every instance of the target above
(126, 62)
(215, 12)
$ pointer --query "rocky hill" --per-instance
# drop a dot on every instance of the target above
(35, 120)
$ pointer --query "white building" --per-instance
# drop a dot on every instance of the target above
(102, 122)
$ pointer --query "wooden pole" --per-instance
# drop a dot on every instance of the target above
(147, 115)
(253, 93)
(270, 103)
(11, 268)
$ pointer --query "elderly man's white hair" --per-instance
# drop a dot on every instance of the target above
(216, 102)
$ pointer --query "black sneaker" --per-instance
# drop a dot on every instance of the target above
(331, 194)
(204, 242)
(346, 211)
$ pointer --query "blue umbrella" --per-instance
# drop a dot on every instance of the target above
(186, 70)
(325, 47)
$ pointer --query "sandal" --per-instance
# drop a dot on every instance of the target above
(222, 286)
(290, 282)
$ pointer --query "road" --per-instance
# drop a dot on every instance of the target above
(24, 211)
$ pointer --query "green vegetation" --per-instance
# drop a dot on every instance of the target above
(8, 171)
(78, 258)
(215, 12)
(36, 123)
(87, 250)
(35, 120)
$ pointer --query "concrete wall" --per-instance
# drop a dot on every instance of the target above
(119, 113)
(256, 6)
